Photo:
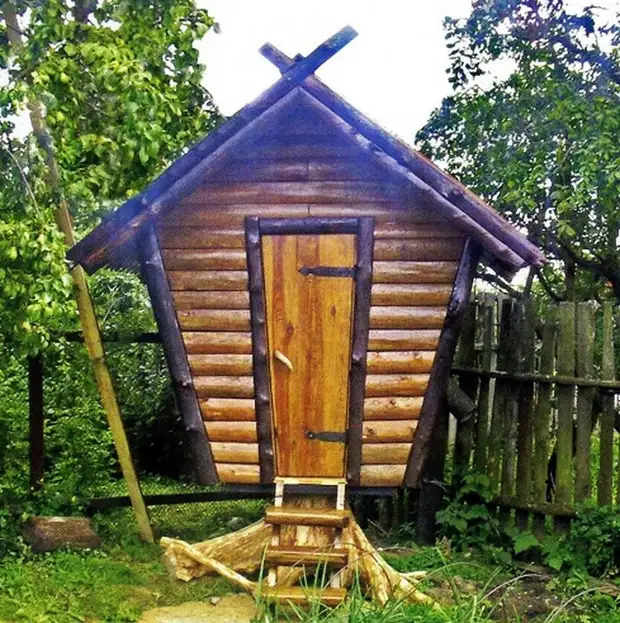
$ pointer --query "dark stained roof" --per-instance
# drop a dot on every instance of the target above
(112, 243)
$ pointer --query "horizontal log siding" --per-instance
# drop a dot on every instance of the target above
(206, 265)
(381, 474)
(415, 265)
(220, 365)
(203, 247)
(235, 452)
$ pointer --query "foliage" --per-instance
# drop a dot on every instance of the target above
(120, 84)
(357, 610)
(466, 521)
(532, 126)
(114, 584)
(126, 577)
(120, 87)
(592, 546)
(492, 595)
(35, 287)
(105, 586)
(80, 460)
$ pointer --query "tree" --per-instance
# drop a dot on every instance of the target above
(112, 79)
(120, 84)
(540, 143)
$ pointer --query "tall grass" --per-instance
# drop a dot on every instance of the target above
(481, 606)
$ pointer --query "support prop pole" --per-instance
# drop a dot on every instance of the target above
(243, 551)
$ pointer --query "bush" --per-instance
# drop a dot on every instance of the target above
(592, 546)
(80, 461)
(466, 520)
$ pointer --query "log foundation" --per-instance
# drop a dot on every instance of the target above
(222, 555)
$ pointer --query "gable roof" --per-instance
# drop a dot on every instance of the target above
(112, 243)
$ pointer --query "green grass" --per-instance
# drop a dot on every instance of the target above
(120, 582)
(117, 583)
(110, 586)
(583, 607)
(126, 577)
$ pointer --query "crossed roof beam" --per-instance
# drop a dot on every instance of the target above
(298, 68)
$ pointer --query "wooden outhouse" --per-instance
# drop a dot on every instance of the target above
(308, 273)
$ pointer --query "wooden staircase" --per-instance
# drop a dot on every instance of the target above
(334, 557)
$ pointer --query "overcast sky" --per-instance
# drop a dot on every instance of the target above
(394, 71)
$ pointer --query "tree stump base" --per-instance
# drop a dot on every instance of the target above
(242, 552)
(46, 534)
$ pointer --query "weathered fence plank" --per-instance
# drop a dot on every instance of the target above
(565, 399)
(497, 420)
(584, 367)
(606, 461)
(525, 439)
(539, 406)
(511, 405)
(535, 377)
(542, 417)
(487, 316)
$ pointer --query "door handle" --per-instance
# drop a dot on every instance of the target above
(283, 359)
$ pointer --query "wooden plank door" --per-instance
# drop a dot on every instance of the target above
(309, 321)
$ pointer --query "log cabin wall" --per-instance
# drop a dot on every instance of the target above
(302, 168)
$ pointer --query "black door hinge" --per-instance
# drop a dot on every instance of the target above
(325, 435)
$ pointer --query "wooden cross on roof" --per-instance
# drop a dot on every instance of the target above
(299, 68)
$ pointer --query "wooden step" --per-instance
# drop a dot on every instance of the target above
(303, 595)
(302, 480)
(328, 518)
(305, 555)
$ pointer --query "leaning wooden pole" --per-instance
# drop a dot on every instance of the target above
(86, 312)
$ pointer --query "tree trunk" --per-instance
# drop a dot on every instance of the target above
(570, 279)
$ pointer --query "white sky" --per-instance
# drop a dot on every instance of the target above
(394, 71)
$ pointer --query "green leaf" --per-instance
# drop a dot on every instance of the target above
(524, 541)
(555, 561)
(541, 143)
(144, 155)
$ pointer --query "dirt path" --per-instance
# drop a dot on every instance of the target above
(237, 608)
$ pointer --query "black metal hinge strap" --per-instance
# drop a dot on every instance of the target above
(325, 435)
(329, 271)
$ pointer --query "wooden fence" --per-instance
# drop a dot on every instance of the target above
(545, 428)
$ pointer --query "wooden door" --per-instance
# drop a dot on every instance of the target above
(309, 321)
